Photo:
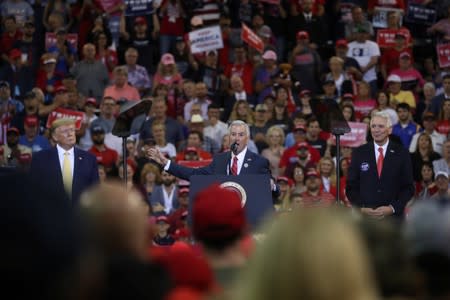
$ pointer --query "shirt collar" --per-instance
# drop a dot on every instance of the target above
(241, 155)
(376, 146)
(62, 151)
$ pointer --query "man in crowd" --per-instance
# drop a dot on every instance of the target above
(164, 198)
(104, 155)
(314, 196)
(91, 74)
(405, 129)
(32, 138)
(429, 124)
(12, 154)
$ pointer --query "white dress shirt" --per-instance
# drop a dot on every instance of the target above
(168, 199)
(384, 150)
(240, 162)
(61, 152)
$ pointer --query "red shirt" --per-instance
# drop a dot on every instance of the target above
(323, 199)
(390, 58)
(172, 25)
(108, 157)
(245, 71)
(7, 41)
(291, 152)
(443, 127)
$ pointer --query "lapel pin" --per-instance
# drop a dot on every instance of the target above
(246, 165)
(80, 158)
(392, 151)
(249, 159)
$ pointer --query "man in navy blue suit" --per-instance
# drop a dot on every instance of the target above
(241, 161)
(66, 168)
(380, 180)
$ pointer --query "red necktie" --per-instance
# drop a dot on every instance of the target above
(380, 161)
(234, 167)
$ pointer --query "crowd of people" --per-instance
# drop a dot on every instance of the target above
(363, 62)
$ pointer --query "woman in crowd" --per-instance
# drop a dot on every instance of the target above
(443, 123)
(303, 241)
(425, 186)
(100, 25)
(424, 153)
(280, 116)
(159, 134)
(59, 7)
(344, 83)
(364, 103)
(150, 176)
(305, 104)
(326, 169)
(168, 74)
(348, 112)
(275, 140)
(384, 105)
(299, 179)
(104, 52)
(242, 111)
(424, 105)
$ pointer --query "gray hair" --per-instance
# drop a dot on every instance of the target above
(429, 85)
(239, 123)
(384, 115)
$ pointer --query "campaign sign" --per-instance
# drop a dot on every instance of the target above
(206, 39)
(62, 113)
(443, 53)
(251, 38)
(420, 14)
(195, 163)
(355, 138)
(71, 38)
(136, 8)
(386, 37)
(380, 16)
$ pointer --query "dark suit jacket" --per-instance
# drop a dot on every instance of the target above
(46, 171)
(158, 197)
(253, 164)
(396, 185)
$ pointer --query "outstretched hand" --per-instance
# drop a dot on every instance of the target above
(156, 155)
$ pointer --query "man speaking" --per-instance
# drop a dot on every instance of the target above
(238, 161)
(380, 178)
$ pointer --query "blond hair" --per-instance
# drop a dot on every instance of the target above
(319, 255)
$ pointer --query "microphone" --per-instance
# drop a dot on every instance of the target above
(234, 148)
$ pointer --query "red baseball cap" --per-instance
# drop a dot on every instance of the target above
(60, 88)
(140, 21)
(31, 121)
(183, 190)
(191, 149)
(13, 129)
(305, 92)
(162, 219)
(312, 173)
(91, 101)
(304, 145)
(404, 55)
(15, 53)
(342, 43)
(348, 95)
(302, 35)
(217, 214)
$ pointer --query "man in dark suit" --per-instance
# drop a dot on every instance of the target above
(240, 162)
(380, 180)
(65, 167)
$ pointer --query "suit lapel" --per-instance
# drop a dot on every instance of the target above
(77, 161)
(372, 160)
(248, 160)
(56, 167)
(389, 157)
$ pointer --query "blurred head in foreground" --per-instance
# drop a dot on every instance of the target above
(310, 255)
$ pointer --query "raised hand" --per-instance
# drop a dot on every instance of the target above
(153, 153)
